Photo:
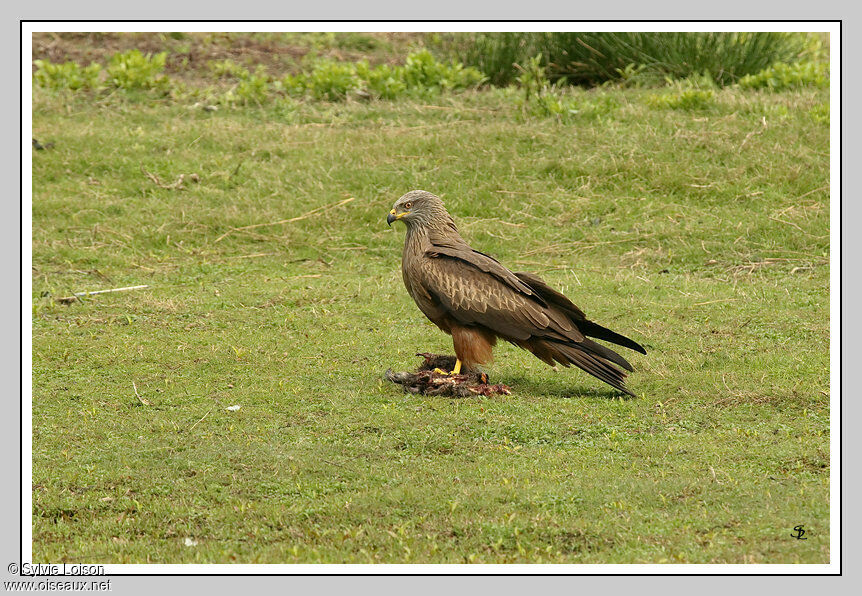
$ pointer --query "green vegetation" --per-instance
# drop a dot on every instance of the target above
(781, 77)
(134, 70)
(685, 99)
(422, 75)
(594, 58)
(129, 71)
(700, 230)
(67, 76)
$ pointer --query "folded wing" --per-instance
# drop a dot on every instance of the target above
(476, 290)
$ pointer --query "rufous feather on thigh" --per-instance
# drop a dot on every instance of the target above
(473, 345)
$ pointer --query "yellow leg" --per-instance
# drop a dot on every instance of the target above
(455, 371)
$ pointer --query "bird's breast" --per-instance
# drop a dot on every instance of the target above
(413, 262)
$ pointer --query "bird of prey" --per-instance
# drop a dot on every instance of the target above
(476, 300)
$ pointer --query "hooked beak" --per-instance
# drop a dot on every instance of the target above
(392, 217)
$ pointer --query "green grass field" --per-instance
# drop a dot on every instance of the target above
(701, 233)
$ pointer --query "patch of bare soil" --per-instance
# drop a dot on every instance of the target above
(189, 53)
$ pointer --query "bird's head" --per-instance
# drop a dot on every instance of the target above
(418, 208)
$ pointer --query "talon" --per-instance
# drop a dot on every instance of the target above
(452, 373)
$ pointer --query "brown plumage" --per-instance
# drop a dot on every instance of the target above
(476, 300)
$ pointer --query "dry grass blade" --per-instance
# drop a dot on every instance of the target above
(754, 132)
(79, 295)
(284, 221)
(143, 401)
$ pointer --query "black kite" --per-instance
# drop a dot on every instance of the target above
(476, 300)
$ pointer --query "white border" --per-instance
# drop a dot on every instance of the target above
(26, 297)
(835, 322)
(427, 26)
(832, 28)
(472, 569)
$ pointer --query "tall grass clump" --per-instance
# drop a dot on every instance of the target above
(594, 58)
(495, 54)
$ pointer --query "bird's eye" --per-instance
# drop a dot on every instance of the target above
(408, 205)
